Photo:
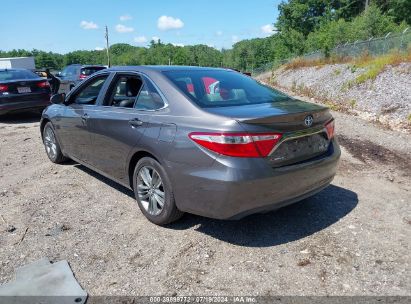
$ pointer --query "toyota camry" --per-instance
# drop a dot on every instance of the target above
(207, 141)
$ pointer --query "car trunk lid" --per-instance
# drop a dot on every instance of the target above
(25, 86)
(302, 139)
(282, 116)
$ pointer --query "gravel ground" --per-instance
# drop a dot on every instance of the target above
(350, 239)
(387, 99)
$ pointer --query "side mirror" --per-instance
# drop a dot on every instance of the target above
(58, 98)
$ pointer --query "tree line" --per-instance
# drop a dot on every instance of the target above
(302, 26)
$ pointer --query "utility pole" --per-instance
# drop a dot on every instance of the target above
(367, 3)
(107, 48)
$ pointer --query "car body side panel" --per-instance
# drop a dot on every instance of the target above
(113, 137)
(73, 131)
(71, 127)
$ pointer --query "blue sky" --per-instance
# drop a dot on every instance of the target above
(64, 26)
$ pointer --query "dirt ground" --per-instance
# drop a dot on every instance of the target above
(351, 239)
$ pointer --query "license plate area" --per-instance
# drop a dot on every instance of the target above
(299, 149)
(22, 90)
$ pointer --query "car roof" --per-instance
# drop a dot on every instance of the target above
(87, 65)
(163, 68)
(15, 69)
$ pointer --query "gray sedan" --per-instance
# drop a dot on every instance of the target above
(207, 141)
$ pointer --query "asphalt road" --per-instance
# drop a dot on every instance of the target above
(353, 238)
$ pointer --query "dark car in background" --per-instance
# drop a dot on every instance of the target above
(182, 147)
(73, 74)
(21, 89)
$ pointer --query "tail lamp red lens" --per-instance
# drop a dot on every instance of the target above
(237, 144)
(3, 88)
(330, 127)
(43, 84)
(82, 76)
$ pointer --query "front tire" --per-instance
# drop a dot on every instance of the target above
(51, 145)
(153, 192)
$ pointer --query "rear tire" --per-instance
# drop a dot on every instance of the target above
(52, 145)
(153, 192)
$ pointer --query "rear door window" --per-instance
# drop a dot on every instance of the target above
(125, 91)
(149, 98)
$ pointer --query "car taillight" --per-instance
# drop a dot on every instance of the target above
(43, 84)
(82, 76)
(3, 88)
(330, 129)
(238, 144)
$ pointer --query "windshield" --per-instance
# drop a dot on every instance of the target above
(6, 75)
(219, 88)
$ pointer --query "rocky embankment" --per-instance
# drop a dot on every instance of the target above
(385, 99)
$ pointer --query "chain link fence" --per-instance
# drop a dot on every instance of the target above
(372, 46)
(375, 46)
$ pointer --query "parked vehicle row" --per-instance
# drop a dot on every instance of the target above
(73, 74)
(21, 89)
(207, 141)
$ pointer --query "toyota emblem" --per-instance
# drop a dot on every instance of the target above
(308, 120)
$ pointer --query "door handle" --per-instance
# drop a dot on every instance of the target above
(135, 122)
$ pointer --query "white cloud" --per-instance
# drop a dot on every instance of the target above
(125, 18)
(165, 23)
(88, 25)
(235, 38)
(124, 29)
(140, 39)
(267, 29)
(219, 33)
(178, 44)
(155, 38)
(99, 48)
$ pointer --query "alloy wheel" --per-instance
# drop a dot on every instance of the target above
(150, 190)
(50, 143)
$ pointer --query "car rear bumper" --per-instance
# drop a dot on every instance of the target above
(21, 103)
(233, 188)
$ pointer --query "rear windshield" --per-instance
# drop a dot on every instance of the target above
(219, 88)
(6, 75)
(90, 70)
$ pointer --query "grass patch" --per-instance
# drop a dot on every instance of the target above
(300, 62)
(375, 65)
(352, 103)
(333, 106)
